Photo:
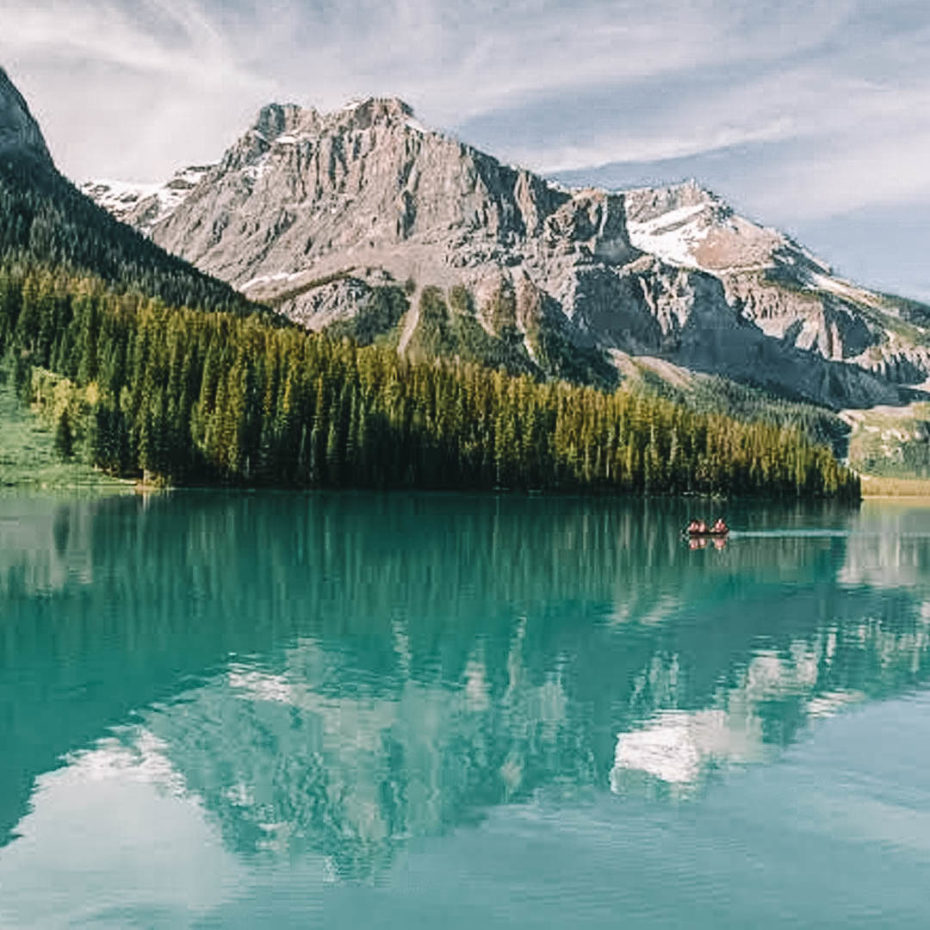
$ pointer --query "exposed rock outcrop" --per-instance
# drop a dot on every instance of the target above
(19, 132)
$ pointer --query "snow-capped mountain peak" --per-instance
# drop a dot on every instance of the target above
(688, 226)
(145, 205)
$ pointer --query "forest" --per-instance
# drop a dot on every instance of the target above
(199, 397)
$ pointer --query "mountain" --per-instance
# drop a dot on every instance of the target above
(46, 221)
(20, 135)
(320, 213)
(788, 292)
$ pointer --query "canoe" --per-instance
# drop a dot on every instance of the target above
(706, 534)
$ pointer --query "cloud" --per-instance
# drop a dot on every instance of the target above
(653, 148)
(801, 144)
(129, 90)
(814, 107)
(872, 170)
(175, 74)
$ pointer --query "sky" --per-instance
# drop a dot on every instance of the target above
(809, 115)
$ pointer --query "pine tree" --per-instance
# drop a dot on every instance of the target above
(64, 437)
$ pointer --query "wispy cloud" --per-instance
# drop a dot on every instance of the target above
(184, 71)
(129, 89)
(827, 100)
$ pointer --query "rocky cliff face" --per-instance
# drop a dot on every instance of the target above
(19, 133)
(776, 284)
(313, 212)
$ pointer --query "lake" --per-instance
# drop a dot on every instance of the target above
(397, 711)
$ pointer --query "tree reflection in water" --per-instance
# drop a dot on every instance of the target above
(341, 673)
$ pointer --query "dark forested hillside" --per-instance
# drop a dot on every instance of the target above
(198, 396)
(45, 221)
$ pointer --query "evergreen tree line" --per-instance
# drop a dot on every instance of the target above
(202, 397)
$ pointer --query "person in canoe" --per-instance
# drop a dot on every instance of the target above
(700, 528)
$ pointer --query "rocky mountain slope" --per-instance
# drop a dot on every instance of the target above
(19, 132)
(363, 214)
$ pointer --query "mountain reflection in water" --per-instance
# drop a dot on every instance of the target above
(338, 675)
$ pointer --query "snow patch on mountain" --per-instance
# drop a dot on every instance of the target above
(839, 287)
(145, 205)
(276, 278)
(116, 196)
(671, 236)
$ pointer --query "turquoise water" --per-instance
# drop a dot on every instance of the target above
(418, 711)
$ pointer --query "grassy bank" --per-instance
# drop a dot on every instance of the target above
(875, 486)
(27, 451)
